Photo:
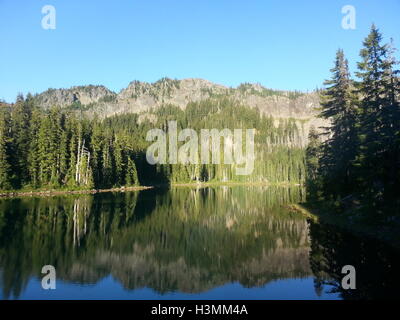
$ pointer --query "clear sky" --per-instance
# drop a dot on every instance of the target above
(282, 44)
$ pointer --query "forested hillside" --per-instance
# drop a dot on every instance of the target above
(59, 148)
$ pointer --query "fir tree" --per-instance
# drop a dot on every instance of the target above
(313, 155)
(339, 148)
(131, 177)
(5, 167)
(379, 93)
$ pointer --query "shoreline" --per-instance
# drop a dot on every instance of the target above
(385, 234)
(57, 192)
(210, 184)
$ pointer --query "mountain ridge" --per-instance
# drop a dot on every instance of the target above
(141, 96)
(144, 98)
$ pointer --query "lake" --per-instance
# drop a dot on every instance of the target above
(237, 242)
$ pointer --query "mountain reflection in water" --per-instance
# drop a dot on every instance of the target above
(179, 240)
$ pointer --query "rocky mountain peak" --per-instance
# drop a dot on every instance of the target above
(140, 97)
(83, 95)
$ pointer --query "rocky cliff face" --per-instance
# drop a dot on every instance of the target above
(84, 95)
(142, 97)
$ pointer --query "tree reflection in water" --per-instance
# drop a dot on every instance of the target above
(376, 263)
(186, 240)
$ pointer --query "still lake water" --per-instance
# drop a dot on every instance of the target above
(223, 242)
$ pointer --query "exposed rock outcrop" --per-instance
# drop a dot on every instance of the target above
(143, 97)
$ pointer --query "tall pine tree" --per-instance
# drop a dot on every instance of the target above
(339, 149)
(379, 93)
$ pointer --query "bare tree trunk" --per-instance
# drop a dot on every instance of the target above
(87, 168)
(77, 162)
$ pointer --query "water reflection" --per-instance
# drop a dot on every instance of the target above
(376, 263)
(182, 240)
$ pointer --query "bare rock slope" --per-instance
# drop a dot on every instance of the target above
(142, 97)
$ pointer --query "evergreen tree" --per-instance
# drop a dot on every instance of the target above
(21, 114)
(339, 148)
(313, 155)
(131, 177)
(33, 152)
(379, 93)
(5, 167)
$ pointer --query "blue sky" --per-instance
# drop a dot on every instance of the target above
(282, 44)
